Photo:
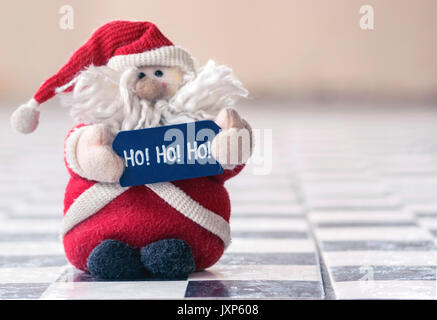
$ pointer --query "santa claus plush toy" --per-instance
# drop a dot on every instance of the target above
(129, 76)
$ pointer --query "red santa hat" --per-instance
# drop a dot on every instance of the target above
(117, 44)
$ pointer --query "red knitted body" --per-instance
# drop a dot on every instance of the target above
(139, 217)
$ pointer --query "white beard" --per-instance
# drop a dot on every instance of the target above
(103, 95)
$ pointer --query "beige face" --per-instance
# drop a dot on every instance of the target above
(156, 82)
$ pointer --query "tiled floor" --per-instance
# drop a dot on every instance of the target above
(348, 211)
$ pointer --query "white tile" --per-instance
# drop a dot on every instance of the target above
(371, 233)
(328, 164)
(264, 181)
(344, 188)
(271, 245)
(30, 275)
(423, 208)
(258, 272)
(345, 202)
(266, 209)
(430, 223)
(386, 289)
(54, 197)
(29, 226)
(312, 177)
(396, 216)
(270, 195)
(383, 258)
(266, 224)
(369, 212)
(116, 290)
(31, 248)
(37, 208)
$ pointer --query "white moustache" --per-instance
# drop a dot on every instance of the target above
(103, 95)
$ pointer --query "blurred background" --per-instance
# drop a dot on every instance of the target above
(288, 48)
(347, 121)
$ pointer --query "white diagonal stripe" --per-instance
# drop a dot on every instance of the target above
(100, 194)
(88, 203)
(183, 203)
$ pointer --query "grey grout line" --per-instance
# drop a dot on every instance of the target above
(416, 219)
(328, 290)
(63, 270)
(326, 278)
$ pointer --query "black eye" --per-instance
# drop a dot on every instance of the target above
(141, 75)
(158, 73)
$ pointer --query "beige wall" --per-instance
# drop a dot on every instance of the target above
(276, 47)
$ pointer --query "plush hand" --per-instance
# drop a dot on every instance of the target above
(233, 145)
(95, 156)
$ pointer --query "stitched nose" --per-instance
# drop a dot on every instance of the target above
(148, 89)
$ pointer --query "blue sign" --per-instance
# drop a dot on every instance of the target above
(167, 153)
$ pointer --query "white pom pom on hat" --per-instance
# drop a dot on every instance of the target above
(25, 119)
(118, 44)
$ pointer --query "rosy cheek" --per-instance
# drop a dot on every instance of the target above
(164, 85)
